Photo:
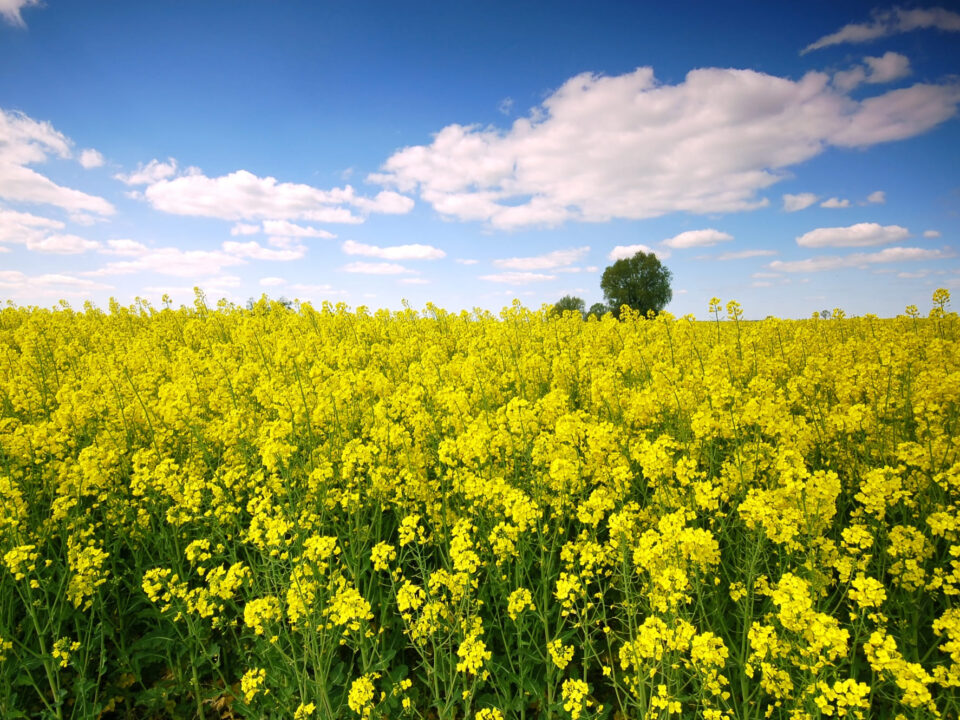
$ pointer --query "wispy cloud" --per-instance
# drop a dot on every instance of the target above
(744, 254)
(11, 10)
(697, 238)
(800, 201)
(547, 261)
(888, 255)
(394, 252)
(890, 22)
(518, 278)
(859, 235)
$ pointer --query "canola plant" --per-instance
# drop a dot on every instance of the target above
(324, 513)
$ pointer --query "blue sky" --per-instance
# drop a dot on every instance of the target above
(790, 156)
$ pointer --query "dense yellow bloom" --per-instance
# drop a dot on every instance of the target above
(721, 519)
(252, 683)
(261, 611)
(575, 699)
(362, 692)
(519, 600)
(560, 654)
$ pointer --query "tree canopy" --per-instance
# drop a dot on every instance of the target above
(641, 282)
(569, 302)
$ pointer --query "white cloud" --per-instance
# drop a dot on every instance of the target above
(244, 229)
(931, 233)
(888, 67)
(272, 281)
(47, 285)
(517, 278)
(129, 248)
(547, 261)
(629, 147)
(697, 238)
(878, 197)
(744, 254)
(887, 255)
(466, 261)
(835, 203)
(90, 158)
(62, 245)
(376, 268)
(10, 9)
(386, 202)
(394, 252)
(21, 227)
(255, 251)
(414, 281)
(766, 275)
(171, 261)
(875, 70)
(25, 141)
(289, 229)
(152, 172)
(505, 105)
(625, 251)
(241, 195)
(761, 284)
(890, 22)
(913, 275)
(847, 80)
(859, 235)
(800, 201)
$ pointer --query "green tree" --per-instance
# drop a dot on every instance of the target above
(640, 282)
(569, 302)
(598, 309)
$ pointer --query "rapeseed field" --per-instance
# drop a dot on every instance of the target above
(324, 513)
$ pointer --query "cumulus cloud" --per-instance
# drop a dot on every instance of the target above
(255, 251)
(859, 260)
(625, 251)
(888, 67)
(517, 278)
(630, 147)
(241, 195)
(800, 201)
(171, 261)
(49, 285)
(394, 252)
(890, 22)
(875, 70)
(878, 197)
(126, 247)
(62, 245)
(697, 238)
(744, 254)
(90, 158)
(547, 261)
(152, 172)
(25, 141)
(835, 202)
(859, 235)
(244, 229)
(11, 9)
(289, 229)
(21, 227)
(376, 268)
